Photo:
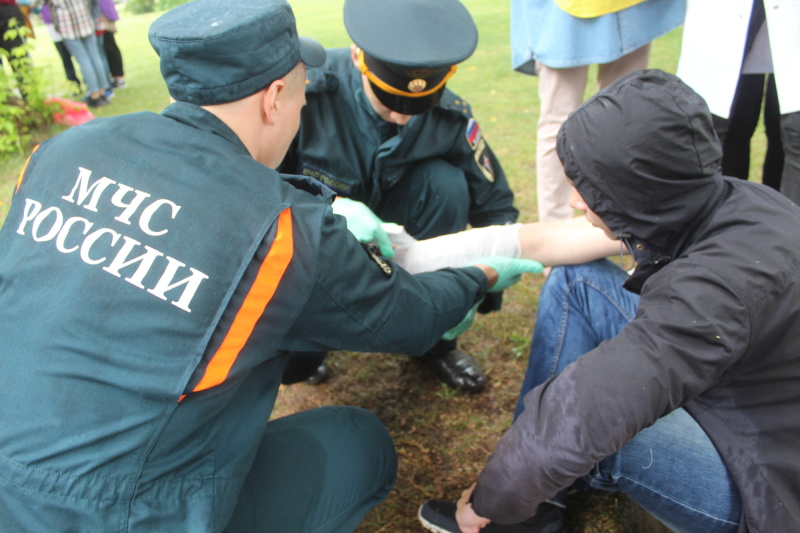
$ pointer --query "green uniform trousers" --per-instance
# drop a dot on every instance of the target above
(320, 470)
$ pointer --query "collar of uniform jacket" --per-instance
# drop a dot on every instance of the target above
(199, 118)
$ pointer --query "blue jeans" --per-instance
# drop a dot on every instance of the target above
(87, 54)
(671, 469)
(102, 51)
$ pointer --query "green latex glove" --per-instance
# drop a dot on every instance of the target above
(509, 270)
(464, 325)
(364, 224)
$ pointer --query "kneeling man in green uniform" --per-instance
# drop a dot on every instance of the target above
(156, 273)
(381, 128)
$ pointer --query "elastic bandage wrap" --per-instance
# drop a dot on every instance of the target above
(454, 250)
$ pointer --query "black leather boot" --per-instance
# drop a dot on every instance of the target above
(455, 368)
(308, 367)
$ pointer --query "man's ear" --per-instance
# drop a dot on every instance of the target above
(354, 52)
(271, 100)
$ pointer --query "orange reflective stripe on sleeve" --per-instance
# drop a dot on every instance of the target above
(24, 168)
(256, 301)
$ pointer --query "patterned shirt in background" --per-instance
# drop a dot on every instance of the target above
(72, 18)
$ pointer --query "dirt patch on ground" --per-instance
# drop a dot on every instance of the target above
(443, 438)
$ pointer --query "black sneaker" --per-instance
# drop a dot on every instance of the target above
(320, 375)
(308, 367)
(440, 517)
(97, 102)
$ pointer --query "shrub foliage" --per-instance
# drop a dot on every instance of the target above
(23, 105)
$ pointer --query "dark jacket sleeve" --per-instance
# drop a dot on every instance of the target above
(690, 327)
(355, 305)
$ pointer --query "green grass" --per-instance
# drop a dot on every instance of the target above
(442, 437)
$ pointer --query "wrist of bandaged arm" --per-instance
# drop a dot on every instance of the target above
(454, 250)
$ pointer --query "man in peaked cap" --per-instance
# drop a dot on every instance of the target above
(677, 385)
(156, 271)
(382, 130)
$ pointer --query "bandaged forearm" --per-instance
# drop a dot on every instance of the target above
(454, 250)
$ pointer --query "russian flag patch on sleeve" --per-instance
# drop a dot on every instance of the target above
(473, 133)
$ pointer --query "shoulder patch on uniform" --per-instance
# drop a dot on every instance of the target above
(473, 133)
(372, 252)
(483, 161)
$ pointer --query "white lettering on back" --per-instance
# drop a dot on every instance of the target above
(83, 188)
(164, 284)
(130, 207)
(121, 260)
(147, 214)
(92, 239)
(32, 208)
(61, 245)
(98, 245)
(54, 229)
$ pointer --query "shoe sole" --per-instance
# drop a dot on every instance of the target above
(432, 527)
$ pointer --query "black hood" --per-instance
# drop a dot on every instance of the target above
(644, 156)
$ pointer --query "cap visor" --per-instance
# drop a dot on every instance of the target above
(311, 52)
(407, 106)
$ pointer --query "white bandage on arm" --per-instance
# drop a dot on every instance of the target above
(454, 250)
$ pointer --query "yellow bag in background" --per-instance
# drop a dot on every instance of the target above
(594, 8)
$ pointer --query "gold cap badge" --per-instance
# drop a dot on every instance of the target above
(417, 85)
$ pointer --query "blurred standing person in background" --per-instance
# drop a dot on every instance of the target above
(755, 86)
(109, 18)
(724, 39)
(73, 20)
(558, 40)
(58, 41)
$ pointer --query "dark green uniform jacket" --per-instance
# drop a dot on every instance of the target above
(346, 145)
(152, 279)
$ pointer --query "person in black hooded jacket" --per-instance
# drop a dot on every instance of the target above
(683, 392)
